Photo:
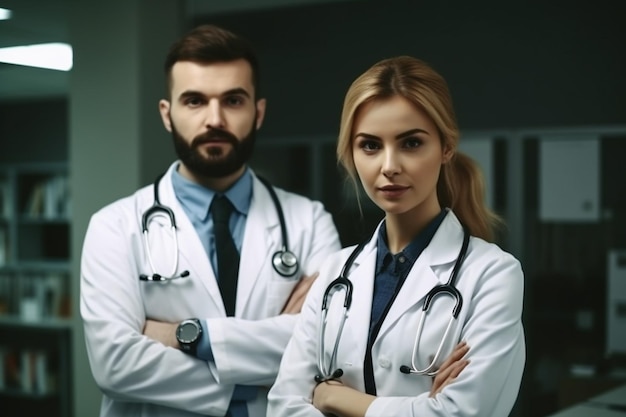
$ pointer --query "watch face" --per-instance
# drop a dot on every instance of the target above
(188, 332)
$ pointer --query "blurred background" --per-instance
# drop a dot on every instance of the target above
(540, 95)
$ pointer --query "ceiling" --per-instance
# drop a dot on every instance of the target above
(34, 21)
(40, 21)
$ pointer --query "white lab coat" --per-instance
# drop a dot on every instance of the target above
(491, 282)
(141, 377)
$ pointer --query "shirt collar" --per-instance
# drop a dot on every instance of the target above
(413, 250)
(197, 199)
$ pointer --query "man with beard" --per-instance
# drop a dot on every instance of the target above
(165, 335)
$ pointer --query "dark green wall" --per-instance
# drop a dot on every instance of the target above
(34, 131)
(527, 64)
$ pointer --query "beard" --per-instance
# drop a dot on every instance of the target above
(218, 163)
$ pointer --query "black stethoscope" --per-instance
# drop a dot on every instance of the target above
(326, 371)
(284, 261)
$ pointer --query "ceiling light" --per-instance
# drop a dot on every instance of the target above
(5, 14)
(56, 56)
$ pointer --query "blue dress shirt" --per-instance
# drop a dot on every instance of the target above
(196, 200)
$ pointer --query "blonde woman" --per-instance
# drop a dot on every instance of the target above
(428, 279)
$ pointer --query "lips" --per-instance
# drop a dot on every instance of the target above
(392, 188)
(393, 191)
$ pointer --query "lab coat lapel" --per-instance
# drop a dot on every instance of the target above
(193, 257)
(430, 269)
(259, 242)
(362, 278)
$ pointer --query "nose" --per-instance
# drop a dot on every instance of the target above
(391, 164)
(214, 115)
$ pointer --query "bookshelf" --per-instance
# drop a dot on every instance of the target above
(35, 325)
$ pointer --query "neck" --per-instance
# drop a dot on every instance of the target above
(216, 184)
(403, 228)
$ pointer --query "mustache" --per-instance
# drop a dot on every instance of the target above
(213, 135)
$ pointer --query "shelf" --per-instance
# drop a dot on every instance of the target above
(42, 324)
(36, 266)
(41, 220)
(21, 394)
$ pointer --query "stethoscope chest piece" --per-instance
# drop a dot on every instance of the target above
(285, 263)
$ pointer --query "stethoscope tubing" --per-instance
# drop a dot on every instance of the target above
(284, 261)
(447, 288)
(326, 372)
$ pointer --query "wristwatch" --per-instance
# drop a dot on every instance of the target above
(188, 335)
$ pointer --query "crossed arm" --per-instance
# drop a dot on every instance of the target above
(165, 332)
(332, 397)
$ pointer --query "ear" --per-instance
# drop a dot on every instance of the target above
(260, 112)
(164, 109)
(448, 152)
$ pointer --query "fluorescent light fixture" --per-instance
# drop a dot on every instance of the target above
(56, 56)
(5, 14)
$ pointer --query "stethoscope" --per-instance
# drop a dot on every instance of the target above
(284, 261)
(342, 282)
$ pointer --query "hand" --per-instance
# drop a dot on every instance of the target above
(450, 369)
(161, 331)
(322, 392)
(298, 295)
(333, 398)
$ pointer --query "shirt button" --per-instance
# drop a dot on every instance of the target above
(384, 363)
(402, 259)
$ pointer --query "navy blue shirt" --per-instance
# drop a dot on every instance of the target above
(391, 271)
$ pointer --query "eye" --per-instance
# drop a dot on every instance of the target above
(369, 145)
(412, 142)
(234, 101)
(194, 101)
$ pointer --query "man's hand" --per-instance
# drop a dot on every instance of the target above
(298, 295)
(162, 332)
(450, 369)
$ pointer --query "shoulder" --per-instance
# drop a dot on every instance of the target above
(490, 253)
(290, 201)
(333, 264)
(133, 203)
(495, 270)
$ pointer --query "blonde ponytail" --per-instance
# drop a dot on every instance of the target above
(461, 187)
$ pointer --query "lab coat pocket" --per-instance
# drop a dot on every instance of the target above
(279, 291)
(168, 300)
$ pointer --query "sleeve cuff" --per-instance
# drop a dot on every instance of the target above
(204, 350)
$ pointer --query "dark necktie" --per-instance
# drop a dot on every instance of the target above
(227, 254)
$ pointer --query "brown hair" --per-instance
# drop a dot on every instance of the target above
(207, 44)
(461, 184)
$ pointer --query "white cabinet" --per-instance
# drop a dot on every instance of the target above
(569, 185)
(616, 303)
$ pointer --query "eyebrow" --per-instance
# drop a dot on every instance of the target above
(399, 136)
(231, 92)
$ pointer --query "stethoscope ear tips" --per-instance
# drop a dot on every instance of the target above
(285, 263)
(335, 375)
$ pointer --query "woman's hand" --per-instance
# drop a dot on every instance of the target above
(334, 398)
(450, 369)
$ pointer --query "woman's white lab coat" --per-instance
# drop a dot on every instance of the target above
(141, 377)
(491, 282)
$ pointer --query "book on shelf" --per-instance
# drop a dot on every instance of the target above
(2, 371)
(42, 295)
(5, 199)
(26, 370)
(4, 244)
(49, 198)
(5, 293)
(11, 368)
